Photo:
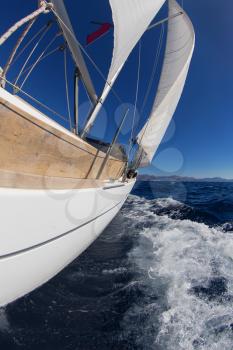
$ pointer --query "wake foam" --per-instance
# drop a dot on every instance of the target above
(4, 324)
(186, 270)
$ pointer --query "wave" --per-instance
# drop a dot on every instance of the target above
(117, 270)
(4, 324)
(186, 268)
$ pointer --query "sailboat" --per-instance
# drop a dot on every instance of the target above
(60, 189)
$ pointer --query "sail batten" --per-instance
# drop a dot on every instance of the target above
(131, 19)
(178, 54)
(69, 35)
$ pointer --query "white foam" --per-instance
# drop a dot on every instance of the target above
(179, 255)
(4, 324)
(118, 270)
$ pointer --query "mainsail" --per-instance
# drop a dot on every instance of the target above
(69, 35)
(178, 55)
(131, 19)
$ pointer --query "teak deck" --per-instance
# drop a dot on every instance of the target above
(36, 154)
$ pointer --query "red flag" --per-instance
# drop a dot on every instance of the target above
(104, 28)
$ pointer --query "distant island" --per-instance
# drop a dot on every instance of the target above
(145, 177)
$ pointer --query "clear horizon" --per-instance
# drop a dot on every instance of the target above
(184, 176)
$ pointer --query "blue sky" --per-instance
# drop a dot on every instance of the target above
(199, 141)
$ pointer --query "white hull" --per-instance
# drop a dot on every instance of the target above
(43, 231)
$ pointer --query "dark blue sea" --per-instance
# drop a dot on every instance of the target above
(160, 277)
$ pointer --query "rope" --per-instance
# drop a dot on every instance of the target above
(44, 8)
(28, 43)
(39, 58)
(32, 51)
(59, 48)
(154, 70)
(35, 100)
(136, 97)
(67, 89)
(12, 55)
(88, 56)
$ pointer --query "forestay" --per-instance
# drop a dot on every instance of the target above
(131, 19)
(178, 54)
(69, 35)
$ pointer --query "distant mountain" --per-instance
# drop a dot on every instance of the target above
(145, 177)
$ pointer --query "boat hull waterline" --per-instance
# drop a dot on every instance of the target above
(49, 230)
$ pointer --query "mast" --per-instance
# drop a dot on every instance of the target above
(60, 12)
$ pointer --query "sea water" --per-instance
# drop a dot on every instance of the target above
(159, 277)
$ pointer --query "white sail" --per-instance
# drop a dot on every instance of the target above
(178, 55)
(131, 19)
(69, 35)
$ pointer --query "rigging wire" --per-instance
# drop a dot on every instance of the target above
(39, 58)
(140, 152)
(157, 59)
(32, 51)
(136, 98)
(88, 56)
(154, 70)
(28, 43)
(59, 48)
(17, 45)
(67, 88)
(43, 8)
(35, 100)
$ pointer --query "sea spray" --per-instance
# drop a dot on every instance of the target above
(188, 268)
